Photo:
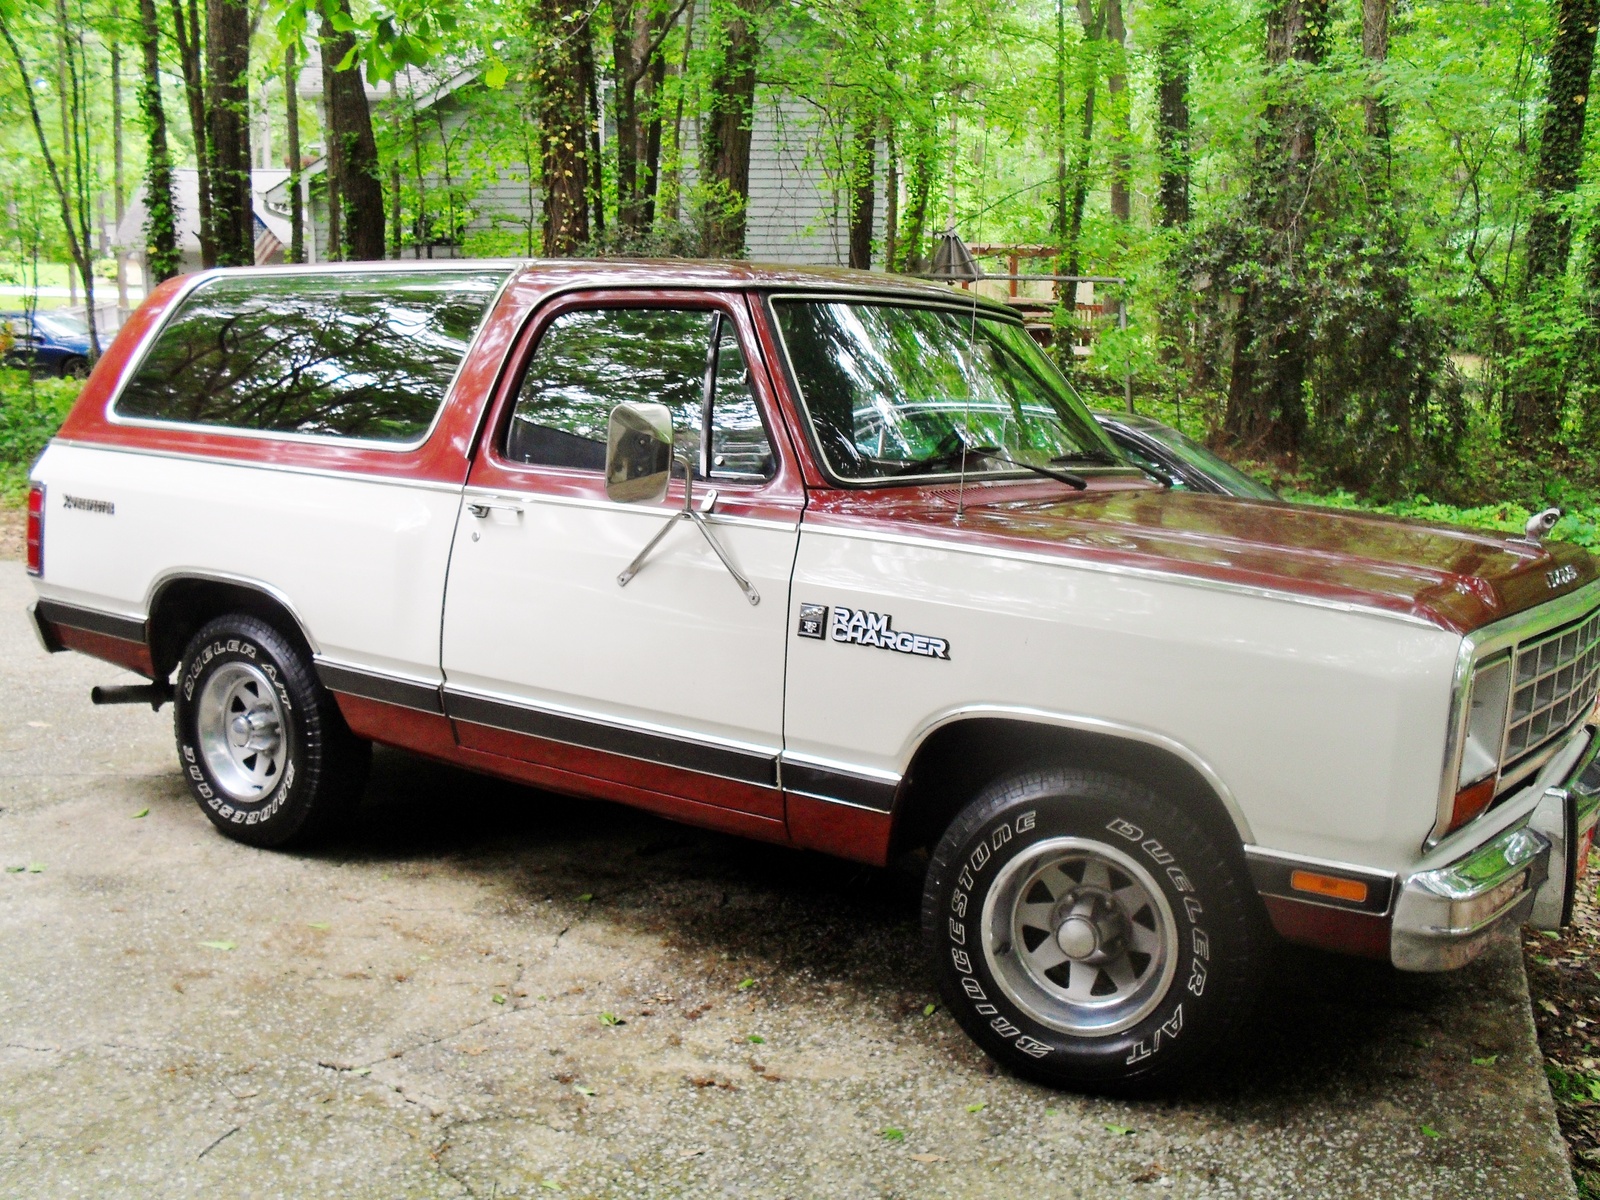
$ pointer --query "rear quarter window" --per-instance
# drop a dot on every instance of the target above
(346, 355)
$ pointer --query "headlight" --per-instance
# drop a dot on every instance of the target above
(1487, 706)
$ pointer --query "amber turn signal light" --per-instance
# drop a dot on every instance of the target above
(1470, 801)
(1331, 886)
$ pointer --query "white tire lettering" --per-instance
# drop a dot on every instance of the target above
(958, 932)
(1125, 829)
(1025, 821)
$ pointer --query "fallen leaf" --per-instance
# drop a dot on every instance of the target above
(611, 1019)
(929, 1010)
(1149, 1175)
(143, 812)
(1544, 1004)
(1119, 1130)
(218, 945)
(746, 984)
(497, 998)
(693, 1153)
(319, 925)
(585, 898)
(582, 1090)
(38, 724)
(756, 1038)
(929, 1158)
(362, 1071)
(35, 868)
(891, 1134)
(978, 1107)
(1052, 1112)
(15, 870)
(1487, 1060)
(474, 1050)
(1430, 1132)
(550, 1185)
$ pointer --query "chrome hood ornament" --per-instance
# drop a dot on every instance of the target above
(1539, 525)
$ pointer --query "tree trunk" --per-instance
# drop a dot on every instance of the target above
(862, 178)
(186, 31)
(333, 251)
(355, 162)
(561, 25)
(1116, 33)
(119, 177)
(1061, 133)
(1172, 121)
(1266, 406)
(162, 256)
(228, 131)
(291, 113)
(650, 176)
(1375, 49)
(76, 233)
(1093, 21)
(597, 168)
(725, 154)
(891, 198)
(1535, 394)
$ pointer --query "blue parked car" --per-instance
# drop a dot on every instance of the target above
(47, 342)
(1178, 458)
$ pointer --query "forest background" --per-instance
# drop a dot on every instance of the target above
(1362, 237)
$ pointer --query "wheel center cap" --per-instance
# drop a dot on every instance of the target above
(1077, 937)
(239, 730)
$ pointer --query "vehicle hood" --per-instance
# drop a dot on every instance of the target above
(1459, 579)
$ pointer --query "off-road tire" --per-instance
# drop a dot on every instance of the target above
(1187, 989)
(307, 768)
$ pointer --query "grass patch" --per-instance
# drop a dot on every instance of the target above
(31, 410)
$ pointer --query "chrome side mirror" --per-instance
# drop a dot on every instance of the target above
(638, 453)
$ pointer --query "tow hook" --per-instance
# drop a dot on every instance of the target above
(153, 694)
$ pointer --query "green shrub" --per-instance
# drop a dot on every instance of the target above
(31, 410)
(1580, 522)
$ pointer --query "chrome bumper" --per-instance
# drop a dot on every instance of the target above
(1446, 917)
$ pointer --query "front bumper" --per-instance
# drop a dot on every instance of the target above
(1445, 917)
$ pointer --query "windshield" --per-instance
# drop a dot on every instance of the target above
(1233, 480)
(894, 391)
(61, 326)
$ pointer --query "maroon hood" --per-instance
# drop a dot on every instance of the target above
(1457, 578)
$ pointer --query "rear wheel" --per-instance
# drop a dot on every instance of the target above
(1085, 932)
(261, 742)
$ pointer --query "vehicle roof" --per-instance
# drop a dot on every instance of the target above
(723, 274)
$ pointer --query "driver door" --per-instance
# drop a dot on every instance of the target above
(670, 686)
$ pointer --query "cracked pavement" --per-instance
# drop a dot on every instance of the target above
(482, 990)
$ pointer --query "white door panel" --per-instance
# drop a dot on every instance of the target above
(534, 613)
(361, 560)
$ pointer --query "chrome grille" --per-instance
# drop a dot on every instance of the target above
(1557, 676)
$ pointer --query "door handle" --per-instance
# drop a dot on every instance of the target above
(482, 508)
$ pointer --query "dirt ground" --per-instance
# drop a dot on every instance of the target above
(1564, 979)
(483, 991)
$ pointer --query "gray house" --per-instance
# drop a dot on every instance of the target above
(795, 213)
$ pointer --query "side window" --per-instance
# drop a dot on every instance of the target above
(590, 360)
(739, 445)
(345, 354)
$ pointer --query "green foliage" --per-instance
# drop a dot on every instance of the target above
(31, 410)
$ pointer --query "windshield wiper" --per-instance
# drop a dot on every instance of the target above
(950, 458)
(1087, 456)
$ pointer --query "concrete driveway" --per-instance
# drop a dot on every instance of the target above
(487, 991)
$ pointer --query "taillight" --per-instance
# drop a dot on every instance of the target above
(36, 529)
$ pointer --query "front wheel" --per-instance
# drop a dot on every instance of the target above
(261, 743)
(1087, 933)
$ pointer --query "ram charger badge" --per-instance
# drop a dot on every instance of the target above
(863, 628)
